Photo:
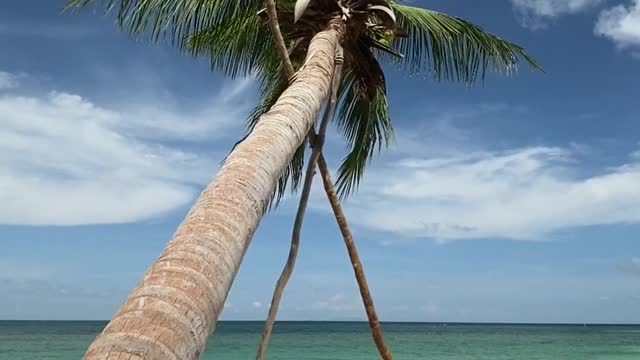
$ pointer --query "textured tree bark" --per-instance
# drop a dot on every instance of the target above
(274, 25)
(317, 142)
(175, 307)
(374, 323)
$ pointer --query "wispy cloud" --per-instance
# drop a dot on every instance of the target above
(631, 266)
(69, 294)
(7, 81)
(621, 24)
(476, 192)
(256, 305)
(431, 309)
(462, 296)
(522, 193)
(67, 161)
(67, 29)
(337, 304)
(537, 13)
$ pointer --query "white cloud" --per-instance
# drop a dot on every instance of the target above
(337, 297)
(430, 309)
(67, 161)
(552, 8)
(338, 303)
(621, 24)
(7, 81)
(523, 194)
(631, 266)
(256, 305)
(535, 13)
(461, 189)
(229, 308)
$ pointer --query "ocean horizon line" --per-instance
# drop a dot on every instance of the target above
(443, 323)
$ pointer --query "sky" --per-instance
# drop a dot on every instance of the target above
(516, 200)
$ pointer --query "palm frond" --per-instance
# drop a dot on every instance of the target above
(376, 43)
(451, 48)
(237, 46)
(367, 74)
(175, 19)
(366, 126)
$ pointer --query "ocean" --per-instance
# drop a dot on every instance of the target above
(34, 340)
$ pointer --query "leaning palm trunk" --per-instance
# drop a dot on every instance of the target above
(316, 141)
(174, 308)
(374, 323)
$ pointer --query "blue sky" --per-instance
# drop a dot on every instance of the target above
(516, 200)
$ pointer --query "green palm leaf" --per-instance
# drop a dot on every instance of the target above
(174, 18)
(366, 126)
(452, 48)
(237, 46)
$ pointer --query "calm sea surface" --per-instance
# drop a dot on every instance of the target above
(351, 341)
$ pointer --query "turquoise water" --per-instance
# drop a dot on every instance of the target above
(351, 341)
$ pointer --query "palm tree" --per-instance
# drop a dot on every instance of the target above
(176, 305)
(363, 106)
